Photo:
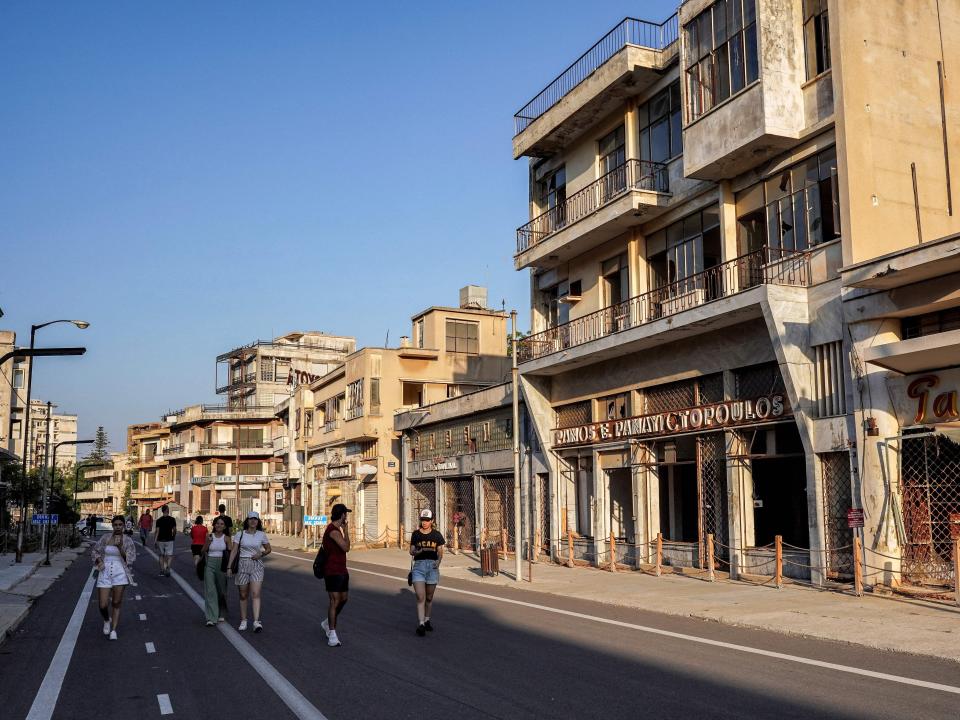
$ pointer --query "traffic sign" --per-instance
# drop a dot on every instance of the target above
(855, 518)
(43, 519)
(314, 519)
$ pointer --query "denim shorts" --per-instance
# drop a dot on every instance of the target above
(426, 571)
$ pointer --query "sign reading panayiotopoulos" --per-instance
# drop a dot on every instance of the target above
(674, 422)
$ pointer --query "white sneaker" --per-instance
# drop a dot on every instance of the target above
(257, 626)
(325, 625)
(106, 627)
(113, 634)
(332, 639)
(243, 625)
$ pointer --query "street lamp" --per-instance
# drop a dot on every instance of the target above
(82, 325)
(53, 470)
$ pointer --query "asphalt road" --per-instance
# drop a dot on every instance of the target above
(488, 657)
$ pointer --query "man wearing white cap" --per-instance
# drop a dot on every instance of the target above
(426, 547)
(250, 545)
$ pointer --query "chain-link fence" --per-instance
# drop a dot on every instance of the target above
(460, 514)
(671, 396)
(758, 380)
(712, 459)
(543, 511)
(498, 510)
(837, 499)
(930, 488)
(423, 496)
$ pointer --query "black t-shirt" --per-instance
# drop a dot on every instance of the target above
(166, 527)
(428, 542)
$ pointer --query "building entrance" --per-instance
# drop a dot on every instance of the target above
(622, 521)
(677, 471)
(780, 501)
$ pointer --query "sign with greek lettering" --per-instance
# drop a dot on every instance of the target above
(927, 399)
(676, 422)
(340, 472)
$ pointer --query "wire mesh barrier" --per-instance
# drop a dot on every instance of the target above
(930, 490)
(671, 396)
(423, 496)
(758, 380)
(544, 528)
(713, 488)
(460, 514)
(498, 510)
(837, 499)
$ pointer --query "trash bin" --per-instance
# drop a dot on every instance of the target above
(489, 561)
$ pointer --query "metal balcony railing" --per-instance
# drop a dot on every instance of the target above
(631, 175)
(353, 413)
(767, 266)
(629, 31)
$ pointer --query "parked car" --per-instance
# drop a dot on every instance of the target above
(103, 525)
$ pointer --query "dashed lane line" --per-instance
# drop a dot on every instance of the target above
(46, 699)
(682, 636)
(151, 649)
(285, 690)
(143, 616)
(164, 702)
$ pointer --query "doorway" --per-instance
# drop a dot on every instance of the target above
(622, 520)
(780, 501)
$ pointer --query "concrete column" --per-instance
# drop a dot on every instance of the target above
(631, 129)
(815, 526)
(406, 512)
(653, 480)
(728, 221)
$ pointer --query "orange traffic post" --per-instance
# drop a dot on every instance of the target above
(659, 554)
(503, 542)
(778, 542)
(569, 547)
(956, 570)
(857, 565)
(400, 538)
(613, 552)
(537, 542)
(710, 573)
(456, 540)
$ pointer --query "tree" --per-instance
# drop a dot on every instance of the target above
(100, 445)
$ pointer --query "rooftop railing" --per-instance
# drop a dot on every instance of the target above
(631, 175)
(630, 31)
(767, 266)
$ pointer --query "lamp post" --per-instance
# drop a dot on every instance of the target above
(53, 469)
(82, 325)
(46, 474)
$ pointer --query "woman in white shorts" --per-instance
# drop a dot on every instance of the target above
(250, 545)
(113, 556)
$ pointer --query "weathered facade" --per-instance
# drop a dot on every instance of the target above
(13, 383)
(696, 187)
(108, 482)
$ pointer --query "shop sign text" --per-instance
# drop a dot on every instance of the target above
(706, 417)
(339, 472)
(932, 406)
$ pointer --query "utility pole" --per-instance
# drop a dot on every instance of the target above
(514, 378)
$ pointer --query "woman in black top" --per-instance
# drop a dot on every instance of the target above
(426, 548)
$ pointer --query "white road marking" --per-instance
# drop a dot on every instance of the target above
(165, 707)
(143, 616)
(682, 636)
(46, 699)
(150, 648)
(292, 698)
(137, 597)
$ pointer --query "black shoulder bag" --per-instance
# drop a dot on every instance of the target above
(235, 565)
(320, 561)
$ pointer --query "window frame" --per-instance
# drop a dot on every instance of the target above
(467, 341)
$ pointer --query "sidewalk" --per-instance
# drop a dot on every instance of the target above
(22, 583)
(897, 624)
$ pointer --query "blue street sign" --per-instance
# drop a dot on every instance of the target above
(314, 519)
(44, 519)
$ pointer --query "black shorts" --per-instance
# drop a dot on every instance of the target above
(337, 583)
(196, 549)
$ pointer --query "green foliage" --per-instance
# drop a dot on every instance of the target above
(100, 445)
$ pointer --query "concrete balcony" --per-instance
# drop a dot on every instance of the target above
(225, 482)
(721, 296)
(623, 63)
(202, 450)
(220, 412)
(630, 194)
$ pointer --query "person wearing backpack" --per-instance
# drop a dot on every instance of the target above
(335, 546)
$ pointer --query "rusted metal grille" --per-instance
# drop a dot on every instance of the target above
(930, 486)
(672, 396)
(543, 511)
(710, 388)
(574, 414)
(498, 508)
(713, 491)
(423, 496)
(460, 516)
(837, 499)
(758, 380)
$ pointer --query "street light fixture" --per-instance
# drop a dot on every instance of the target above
(53, 470)
(82, 325)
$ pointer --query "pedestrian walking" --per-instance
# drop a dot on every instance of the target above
(166, 535)
(113, 556)
(336, 545)
(250, 545)
(426, 548)
(146, 526)
(128, 526)
(222, 509)
(198, 538)
(216, 551)
(91, 526)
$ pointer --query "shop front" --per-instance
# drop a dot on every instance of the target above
(719, 455)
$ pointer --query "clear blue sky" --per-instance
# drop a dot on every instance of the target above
(192, 176)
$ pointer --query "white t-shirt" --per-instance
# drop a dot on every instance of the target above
(218, 545)
(250, 543)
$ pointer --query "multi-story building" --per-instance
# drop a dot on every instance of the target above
(146, 465)
(458, 458)
(352, 450)
(13, 380)
(108, 484)
(696, 187)
(265, 373)
(63, 428)
(216, 450)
